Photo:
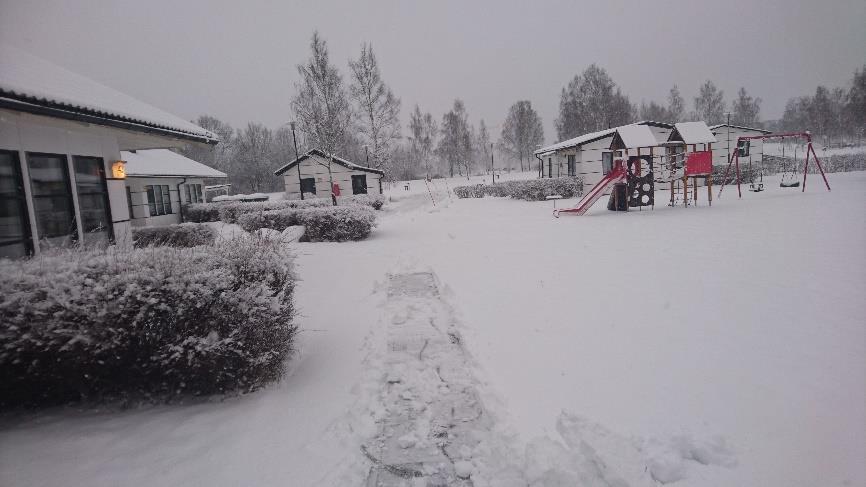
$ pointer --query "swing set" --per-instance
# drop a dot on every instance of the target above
(786, 183)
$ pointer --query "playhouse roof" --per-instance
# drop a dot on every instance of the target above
(634, 136)
(692, 133)
(34, 85)
(594, 136)
(321, 153)
(165, 163)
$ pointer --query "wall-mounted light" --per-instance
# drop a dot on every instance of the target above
(118, 170)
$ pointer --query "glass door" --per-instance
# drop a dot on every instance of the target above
(52, 199)
(14, 225)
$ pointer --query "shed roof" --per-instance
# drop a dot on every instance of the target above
(31, 84)
(320, 153)
(740, 127)
(634, 136)
(692, 133)
(165, 163)
(594, 136)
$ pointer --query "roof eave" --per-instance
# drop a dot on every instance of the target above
(56, 110)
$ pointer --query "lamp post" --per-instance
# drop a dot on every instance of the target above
(366, 155)
(492, 169)
(295, 141)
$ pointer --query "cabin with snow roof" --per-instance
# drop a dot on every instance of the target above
(62, 174)
(160, 181)
(314, 171)
(590, 155)
(751, 151)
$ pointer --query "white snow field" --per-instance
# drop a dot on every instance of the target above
(692, 347)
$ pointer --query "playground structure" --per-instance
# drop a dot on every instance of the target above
(685, 156)
(742, 146)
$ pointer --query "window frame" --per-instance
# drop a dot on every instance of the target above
(356, 188)
(105, 198)
(571, 162)
(312, 183)
(743, 148)
(159, 199)
(70, 195)
(606, 166)
(20, 195)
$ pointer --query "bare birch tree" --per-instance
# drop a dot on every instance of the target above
(423, 130)
(710, 104)
(455, 145)
(377, 109)
(321, 105)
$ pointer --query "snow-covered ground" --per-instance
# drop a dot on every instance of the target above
(700, 346)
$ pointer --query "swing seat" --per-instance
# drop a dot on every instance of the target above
(756, 188)
(792, 184)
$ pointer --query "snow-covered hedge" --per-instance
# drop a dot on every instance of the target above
(183, 235)
(331, 223)
(201, 212)
(375, 201)
(530, 190)
(146, 324)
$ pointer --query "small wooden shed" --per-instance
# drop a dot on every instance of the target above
(314, 171)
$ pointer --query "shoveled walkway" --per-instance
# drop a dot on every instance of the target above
(433, 418)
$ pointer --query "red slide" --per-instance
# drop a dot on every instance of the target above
(617, 175)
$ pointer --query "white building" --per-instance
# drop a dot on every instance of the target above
(752, 151)
(315, 170)
(590, 155)
(61, 170)
(159, 182)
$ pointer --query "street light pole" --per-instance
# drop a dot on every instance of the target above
(367, 155)
(492, 169)
(295, 141)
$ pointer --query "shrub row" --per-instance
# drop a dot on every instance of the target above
(530, 190)
(331, 224)
(229, 211)
(144, 324)
(183, 235)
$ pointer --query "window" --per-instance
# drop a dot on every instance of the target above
(14, 224)
(52, 198)
(158, 199)
(550, 167)
(193, 193)
(572, 170)
(92, 199)
(606, 162)
(743, 148)
(359, 184)
(308, 185)
(129, 202)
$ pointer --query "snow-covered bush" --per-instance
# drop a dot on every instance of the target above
(146, 324)
(331, 224)
(530, 190)
(337, 223)
(201, 212)
(375, 201)
(183, 235)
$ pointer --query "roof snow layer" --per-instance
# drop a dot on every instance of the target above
(34, 81)
(164, 163)
(695, 132)
(634, 136)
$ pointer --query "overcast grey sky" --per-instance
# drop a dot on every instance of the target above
(236, 59)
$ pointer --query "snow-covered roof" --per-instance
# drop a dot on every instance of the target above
(634, 136)
(740, 127)
(165, 163)
(342, 162)
(693, 133)
(592, 137)
(32, 84)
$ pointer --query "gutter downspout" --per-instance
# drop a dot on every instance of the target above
(540, 166)
(180, 199)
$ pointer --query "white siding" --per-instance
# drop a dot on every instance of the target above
(727, 144)
(141, 210)
(317, 167)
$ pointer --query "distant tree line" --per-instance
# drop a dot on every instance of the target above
(358, 118)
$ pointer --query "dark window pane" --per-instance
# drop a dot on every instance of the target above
(198, 195)
(166, 200)
(52, 198)
(359, 184)
(12, 226)
(151, 200)
(89, 174)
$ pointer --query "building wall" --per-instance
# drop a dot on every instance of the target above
(726, 144)
(25, 133)
(141, 216)
(317, 167)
